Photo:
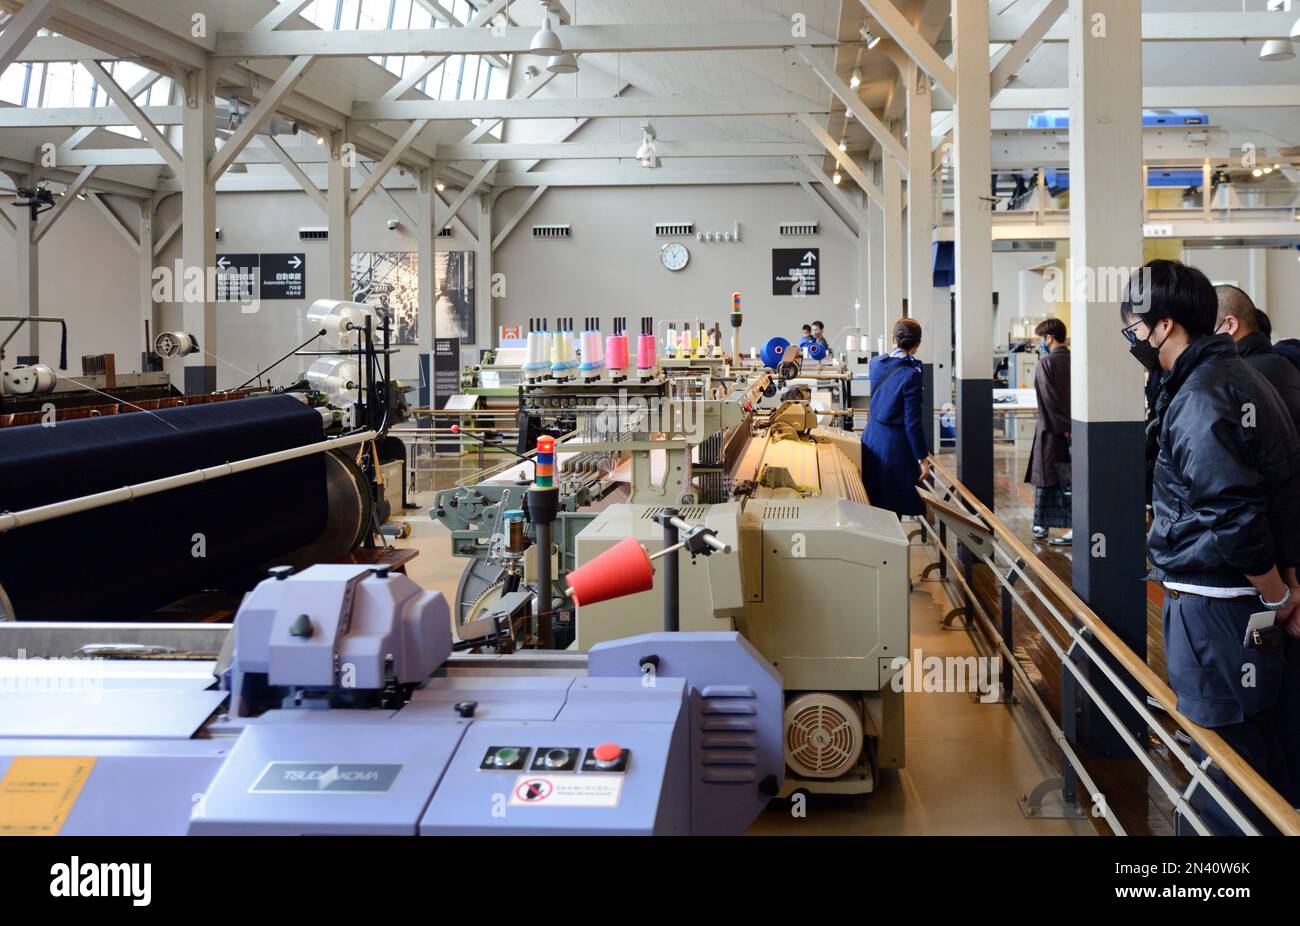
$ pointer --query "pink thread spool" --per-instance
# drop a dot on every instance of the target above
(646, 352)
(616, 355)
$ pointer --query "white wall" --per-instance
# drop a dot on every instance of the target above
(610, 267)
(1007, 266)
(611, 264)
(88, 273)
(269, 223)
(1271, 276)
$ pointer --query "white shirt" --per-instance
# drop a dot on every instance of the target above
(1209, 591)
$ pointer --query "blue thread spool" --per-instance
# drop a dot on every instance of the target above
(773, 352)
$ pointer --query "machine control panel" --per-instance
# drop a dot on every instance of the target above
(505, 758)
(607, 757)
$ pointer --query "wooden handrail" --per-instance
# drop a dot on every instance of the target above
(1243, 775)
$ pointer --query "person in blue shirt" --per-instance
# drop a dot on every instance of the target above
(895, 456)
(807, 340)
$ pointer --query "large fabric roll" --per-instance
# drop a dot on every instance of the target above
(122, 561)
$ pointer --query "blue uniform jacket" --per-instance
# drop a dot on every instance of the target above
(894, 439)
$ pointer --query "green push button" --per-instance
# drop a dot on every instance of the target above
(506, 757)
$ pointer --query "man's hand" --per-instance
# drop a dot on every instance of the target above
(925, 470)
(1290, 618)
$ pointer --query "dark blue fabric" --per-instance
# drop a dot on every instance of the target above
(894, 439)
(124, 560)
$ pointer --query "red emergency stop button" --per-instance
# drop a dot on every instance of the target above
(607, 752)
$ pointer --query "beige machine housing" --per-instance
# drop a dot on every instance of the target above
(818, 582)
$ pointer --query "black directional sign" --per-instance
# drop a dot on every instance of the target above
(243, 277)
(284, 276)
(237, 277)
(796, 271)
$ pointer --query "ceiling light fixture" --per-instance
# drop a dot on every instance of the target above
(855, 80)
(1257, 172)
(870, 37)
(836, 177)
(439, 185)
(563, 64)
(1277, 50)
(546, 43)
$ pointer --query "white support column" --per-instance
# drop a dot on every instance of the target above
(339, 189)
(1106, 203)
(426, 246)
(974, 246)
(894, 283)
(920, 234)
(876, 310)
(426, 243)
(1257, 275)
(198, 231)
(484, 306)
(148, 322)
(27, 278)
(863, 319)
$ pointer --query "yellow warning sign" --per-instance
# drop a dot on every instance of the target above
(38, 793)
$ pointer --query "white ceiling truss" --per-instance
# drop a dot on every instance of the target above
(752, 94)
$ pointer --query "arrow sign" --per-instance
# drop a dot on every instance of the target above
(222, 262)
(796, 272)
(284, 276)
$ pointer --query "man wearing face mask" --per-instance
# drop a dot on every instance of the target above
(1223, 542)
(1239, 318)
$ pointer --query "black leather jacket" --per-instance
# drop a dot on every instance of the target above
(1258, 351)
(1226, 492)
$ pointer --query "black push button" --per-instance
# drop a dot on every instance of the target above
(556, 758)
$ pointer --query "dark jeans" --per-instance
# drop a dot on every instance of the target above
(1251, 699)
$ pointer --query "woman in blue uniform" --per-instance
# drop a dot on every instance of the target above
(895, 456)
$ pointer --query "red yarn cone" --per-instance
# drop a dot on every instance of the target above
(623, 569)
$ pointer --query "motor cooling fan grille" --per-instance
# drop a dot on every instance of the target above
(823, 735)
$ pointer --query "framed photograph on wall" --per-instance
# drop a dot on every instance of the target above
(453, 315)
(390, 281)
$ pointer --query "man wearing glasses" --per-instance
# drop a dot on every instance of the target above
(1225, 539)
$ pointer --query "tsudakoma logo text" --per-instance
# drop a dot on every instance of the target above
(103, 879)
(327, 777)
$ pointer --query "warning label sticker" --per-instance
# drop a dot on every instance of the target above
(567, 790)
